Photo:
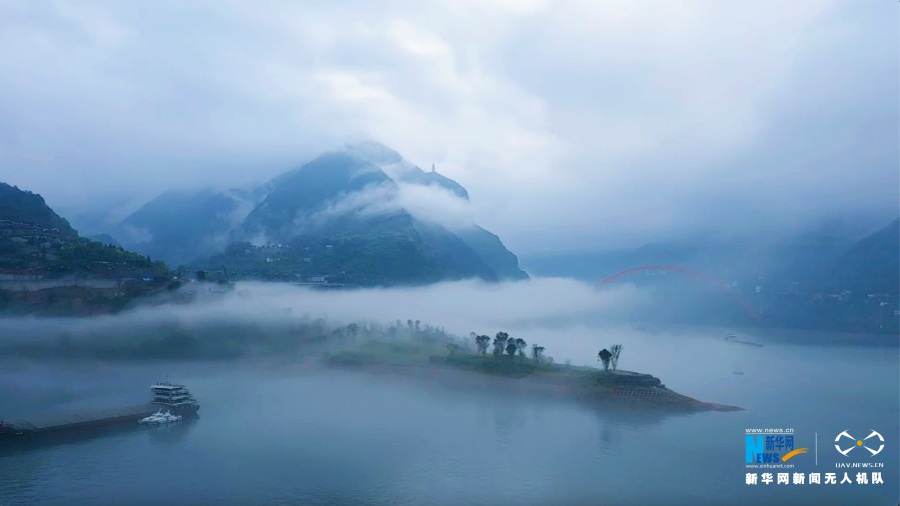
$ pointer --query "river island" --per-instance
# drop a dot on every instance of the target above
(512, 370)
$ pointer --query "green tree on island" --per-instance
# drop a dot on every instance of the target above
(500, 343)
(536, 352)
(615, 351)
(482, 342)
(521, 346)
(605, 356)
(511, 348)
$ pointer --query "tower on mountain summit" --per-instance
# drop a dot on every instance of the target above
(432, 167)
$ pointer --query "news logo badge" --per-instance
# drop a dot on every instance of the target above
(770, 448)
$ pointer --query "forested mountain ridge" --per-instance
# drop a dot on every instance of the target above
(36, 241)
(872, 265)
(829, 277)
(22, 206)
(46, 268)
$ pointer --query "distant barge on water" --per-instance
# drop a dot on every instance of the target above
(731, 338)
(175, 398)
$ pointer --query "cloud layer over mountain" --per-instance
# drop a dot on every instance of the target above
(427, 203)
(572, 124)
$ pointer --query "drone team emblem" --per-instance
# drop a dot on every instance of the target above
(859, 443)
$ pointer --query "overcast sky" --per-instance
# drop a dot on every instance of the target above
(574, 124)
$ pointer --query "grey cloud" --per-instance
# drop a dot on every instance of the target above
(574, 125)
(435, 204)
(136, 235)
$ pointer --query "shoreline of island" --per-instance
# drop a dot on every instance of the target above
(523, 375)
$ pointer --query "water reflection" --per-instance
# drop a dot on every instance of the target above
(172, 434)
(616, 421)
(508, 419)
(609, 439)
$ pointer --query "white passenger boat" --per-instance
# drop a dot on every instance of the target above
(175, 398)
(160, 418)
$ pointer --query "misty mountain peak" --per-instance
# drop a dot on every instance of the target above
(348, 197)
(373, 152)
(401, 170)
(308, 190)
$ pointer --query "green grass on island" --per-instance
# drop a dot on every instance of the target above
(423, 353)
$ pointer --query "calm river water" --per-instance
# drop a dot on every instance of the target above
(271, 435)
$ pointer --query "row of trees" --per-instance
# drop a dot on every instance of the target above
(516, 347)
(503, 345)
(411, 329)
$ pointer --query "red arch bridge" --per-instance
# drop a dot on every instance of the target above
(721, 287)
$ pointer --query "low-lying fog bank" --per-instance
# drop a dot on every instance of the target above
(274, 324)
(276, 319)
(570, 319)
